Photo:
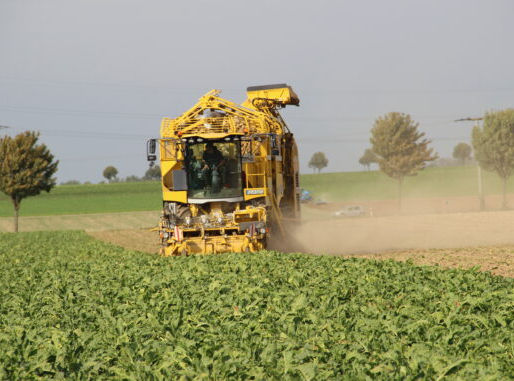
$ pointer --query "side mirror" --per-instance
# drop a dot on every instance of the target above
(151, 147)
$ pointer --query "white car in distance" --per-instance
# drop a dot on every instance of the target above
(350, 211)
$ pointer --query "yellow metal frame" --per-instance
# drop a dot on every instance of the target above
(226, 238)
(215, 245)
(211, 118)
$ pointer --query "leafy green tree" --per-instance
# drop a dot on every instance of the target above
(400, 148)
(153, 173)
(26, 168)
(368, 158)
(110, 173)
(494, 145)
(462, 152)
(318, 161)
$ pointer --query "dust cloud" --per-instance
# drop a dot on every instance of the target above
(449, 232)
(423, 224)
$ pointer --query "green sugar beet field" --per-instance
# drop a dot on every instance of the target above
(72, 307)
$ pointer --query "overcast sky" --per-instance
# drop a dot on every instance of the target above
(96, 76)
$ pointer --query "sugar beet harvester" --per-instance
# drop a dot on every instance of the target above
(229, 173)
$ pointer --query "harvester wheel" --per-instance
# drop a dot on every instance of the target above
(183, 211)
(178, 211)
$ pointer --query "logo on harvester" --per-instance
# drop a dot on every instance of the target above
(253, 192)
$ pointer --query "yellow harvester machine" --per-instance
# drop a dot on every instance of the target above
(229, 173)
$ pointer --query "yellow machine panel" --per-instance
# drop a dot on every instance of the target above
(229, 173)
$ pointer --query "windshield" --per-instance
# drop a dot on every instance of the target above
(214, 170)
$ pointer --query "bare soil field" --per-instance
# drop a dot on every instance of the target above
(425, 231)
(464, 240)
(135, 239)
(420, 205)
(497, 260)
(446, 231)
(484, 239)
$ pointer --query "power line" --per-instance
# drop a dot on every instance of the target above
(55, 83)
(114, 114)
(195, 90)
(100, 158)
(120, 114)
(90, 134)
(337, 140)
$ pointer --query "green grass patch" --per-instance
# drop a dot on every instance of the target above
(75, 308)
(343, 186)
(91, 198)
(374, 185)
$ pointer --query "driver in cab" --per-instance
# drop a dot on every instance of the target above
(212, 159)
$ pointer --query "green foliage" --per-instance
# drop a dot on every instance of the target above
(368, 158)
(494, 144)
(153, 173)
(399, 147)
(75, 308)
(26, 168)
(318, 161)
(462, 152)
(110, 173)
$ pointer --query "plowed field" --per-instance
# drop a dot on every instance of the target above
(458, 240)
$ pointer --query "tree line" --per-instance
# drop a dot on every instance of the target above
(397, 146)
(401, 150)
(110, 173)
(461, 156)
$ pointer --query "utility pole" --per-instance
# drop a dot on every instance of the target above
(479, 169)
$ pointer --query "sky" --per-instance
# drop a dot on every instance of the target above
(95, 77)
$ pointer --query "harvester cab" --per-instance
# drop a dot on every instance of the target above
(229, 173)
(214, 170)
